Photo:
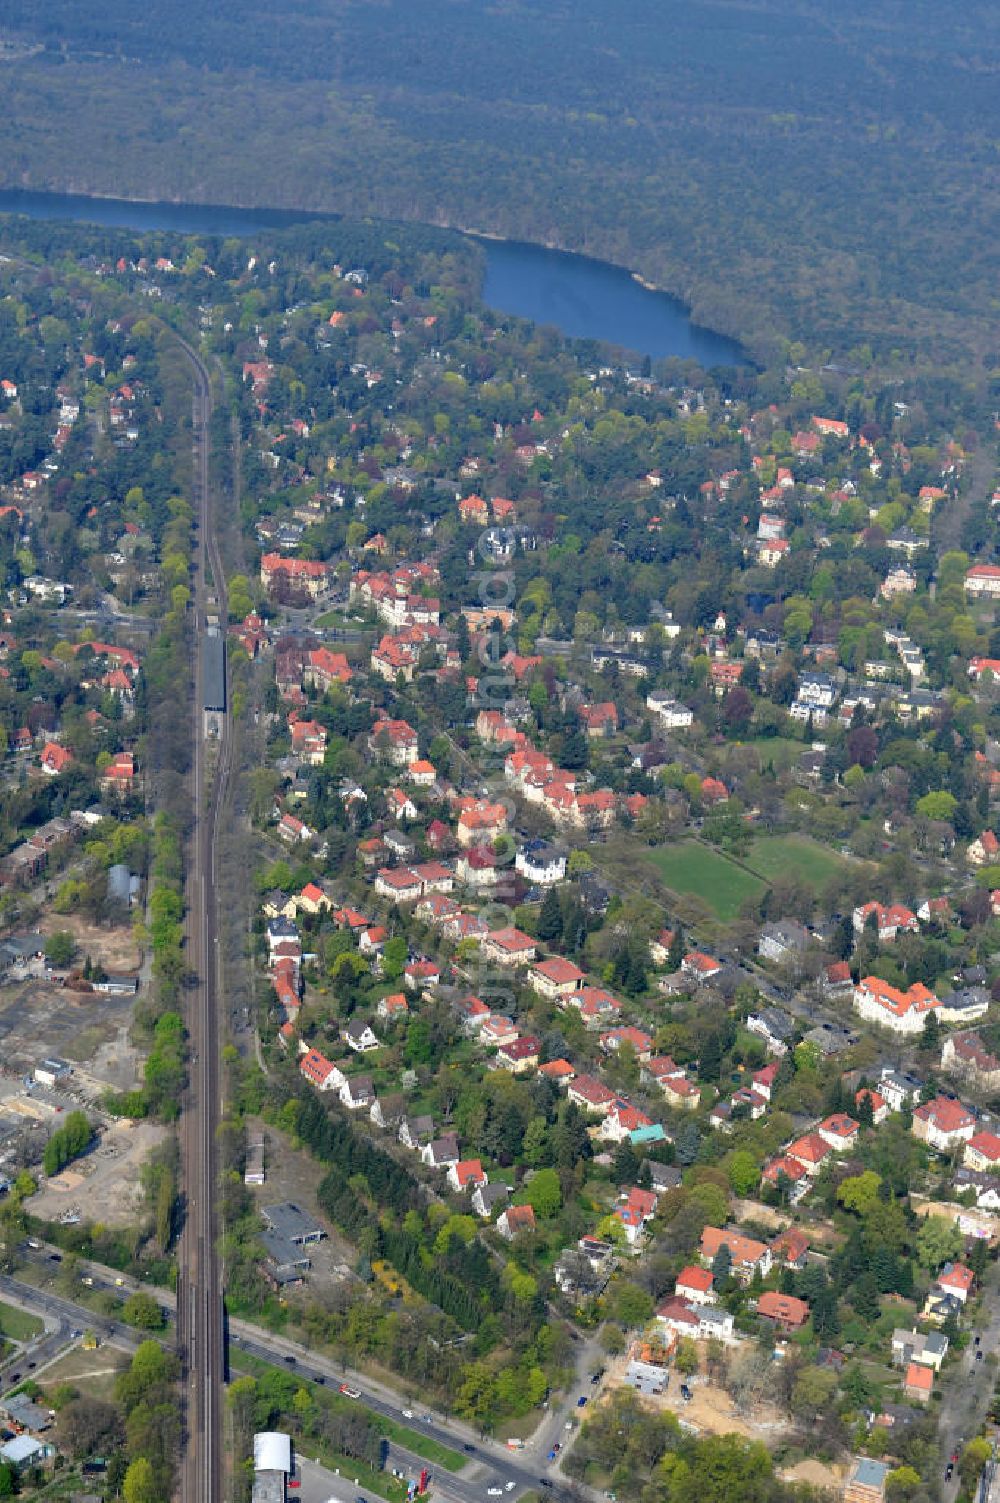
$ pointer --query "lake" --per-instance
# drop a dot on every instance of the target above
(583, 298)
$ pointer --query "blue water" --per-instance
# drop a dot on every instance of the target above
(592, 300)
(583, 298)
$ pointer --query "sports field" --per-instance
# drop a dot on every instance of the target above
(707, 874)
(692, 869)
(794, 856)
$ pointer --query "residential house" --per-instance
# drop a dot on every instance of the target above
(486, 1198)
(982, 1152)
(943, 1123)
(520, 1056)
(790, 1248)
(441, 1153)
(514, 1221)
(840, 1131)
(590, 1094)
(787, 1312)
(466, 1175)
(984, 850)
(918, 1383)
(699, 1322)
(509, 947)
(541, 863)
(879, 1105)
(696, 1285)
(774, 1027)
(359, 1036)
(782, 941)
(965, 1054)
(357, 1093)
(888, 920)
(897, 1088)
(877, 1001)
(555, 978)
(866, 1483)
(746, 1254)
(811, 1151)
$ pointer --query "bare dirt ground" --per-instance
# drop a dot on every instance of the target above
(817, 1474)
(710, 1410)
(39, 1019)
(104, 1185)
(93, 1373)
(114, 946)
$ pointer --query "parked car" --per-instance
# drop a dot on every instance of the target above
(349, 1392)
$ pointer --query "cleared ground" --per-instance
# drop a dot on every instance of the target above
(104, 1185)
(696, 870)
(92, 1372)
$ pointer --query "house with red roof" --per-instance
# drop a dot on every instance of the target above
(466, 1175)
(840, 1131)
(943, 1123)
(982, 1152)
(811, 1151)
(783, 1168)
(957, 1280)
(879, 1105)
(55, 758)
(889, 920)
(636, 1209)
(700, 966)
(509, 947)
(747, 1255)
(790, 1247)
(919, 1382)
(590, 1094)
(696, 1285)
(320, 1071)
(984, 850)
(784, 1310)
(641, 1043)
(982, 579)
(879, 1002)
(555, 978)
(520, 1056)
(514, 1220)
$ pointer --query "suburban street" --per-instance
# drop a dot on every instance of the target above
(490, 1464)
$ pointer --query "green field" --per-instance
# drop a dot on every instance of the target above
(794, 856)
(18, 1324)
(694, 869)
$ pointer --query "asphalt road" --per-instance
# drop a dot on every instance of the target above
(968, 1394)
(490, 1463)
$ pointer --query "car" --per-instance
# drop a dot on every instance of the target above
(509, 1487)
(979, 1356)
(290, 1360)
(494, 1492)
(568, 1425)
(468, 1448)
(360, 1499)
(953, 1457)
(349, 1392)
(551, 1456)
(31, 1365)
(320, 1378)
(546, 1482)
(295, 1482)
(557, 1447)
(949, 1469)
(581, 1401)
(686, 1393)
(13, 1378)
(596, 1377)
(407, 1413)
(978, 1340)
(55, 1257)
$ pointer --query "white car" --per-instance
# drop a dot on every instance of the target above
(494, 1492)
(407, 1413)
(509, 1487)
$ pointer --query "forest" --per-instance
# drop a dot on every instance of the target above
(826, 179)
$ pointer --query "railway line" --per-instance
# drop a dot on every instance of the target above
(200, 1323)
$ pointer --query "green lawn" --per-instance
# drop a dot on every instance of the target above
(794, 856)
(706, 874)
(18, 1324)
